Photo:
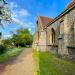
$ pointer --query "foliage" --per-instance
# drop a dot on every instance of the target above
(2, 49)
(22, 37)
(10, 54)
(49, 64)
(7, 43)
(5, 15)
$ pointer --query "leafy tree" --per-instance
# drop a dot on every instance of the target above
(22, 37)
(7, 43)
(5, 15)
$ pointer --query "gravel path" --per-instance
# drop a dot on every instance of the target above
(21, 65)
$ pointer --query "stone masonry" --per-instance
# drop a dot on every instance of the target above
(56, 35)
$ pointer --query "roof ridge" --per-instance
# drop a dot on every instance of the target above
(46, 17)
(71, 4)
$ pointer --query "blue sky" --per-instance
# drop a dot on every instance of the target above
(25, 12)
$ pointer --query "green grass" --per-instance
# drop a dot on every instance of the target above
(10, 54)
(49, 64)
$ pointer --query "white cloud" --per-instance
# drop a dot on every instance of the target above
(24, 12)
(6, 36)
(17, 21)
(13, 5)
(14, 14)
(23, 24)
(29, 29)
(30, 23)
(19, 14)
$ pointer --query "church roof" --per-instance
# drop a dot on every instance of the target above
(45, 20)
(71, 4)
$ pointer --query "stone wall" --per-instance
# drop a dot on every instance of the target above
(42, 41)
(35, 41)
(64, 29)
(39, 41)
(71, 50)
(67, 38)
(52, 49)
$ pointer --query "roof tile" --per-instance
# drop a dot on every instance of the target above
(71, 4)
(45, 20)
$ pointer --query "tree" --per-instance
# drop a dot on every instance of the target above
(22, 37)
(5, 15)
(8, 43)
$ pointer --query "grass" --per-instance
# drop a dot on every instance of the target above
(49, 64)
(10, 54)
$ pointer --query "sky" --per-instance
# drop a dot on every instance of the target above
(25, 12)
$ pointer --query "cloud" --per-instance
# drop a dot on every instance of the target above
(13, 5)
(17, 21)
(24, 24)
(29, 29)
(17, 11)
(23, 12)
(30, 24)
(6, 36)
(18, 14)
(14, 14)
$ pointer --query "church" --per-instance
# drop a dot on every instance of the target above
(56, 35)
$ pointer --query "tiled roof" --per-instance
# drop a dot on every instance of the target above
(71, 4)
(45, 20)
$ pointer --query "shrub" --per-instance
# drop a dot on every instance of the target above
(2, 49)
(22, 38)
(7, 43)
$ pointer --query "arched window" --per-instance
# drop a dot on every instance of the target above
(53, 35)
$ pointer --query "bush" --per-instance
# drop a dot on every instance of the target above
(7, 43)
(22, 38)
(2, 49)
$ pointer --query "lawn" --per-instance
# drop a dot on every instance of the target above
(10, 54)
(49, 64)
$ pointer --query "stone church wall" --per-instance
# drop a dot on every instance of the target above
(64, 34)
(66, 41)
